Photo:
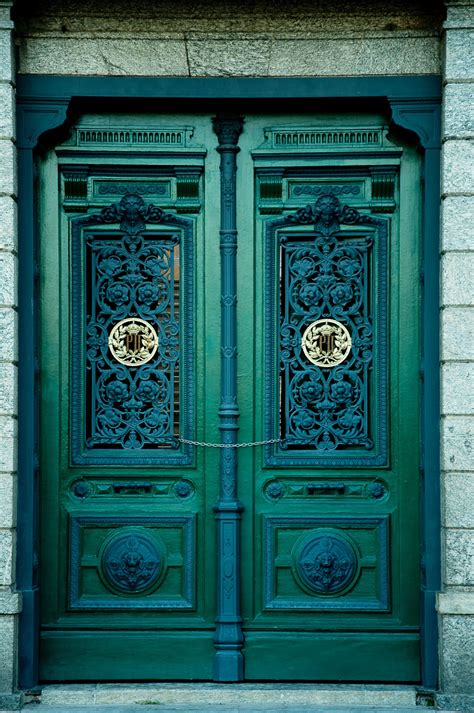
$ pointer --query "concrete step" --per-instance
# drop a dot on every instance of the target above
(226, 698)
(215, 694)
(186, 708)
(246, 708)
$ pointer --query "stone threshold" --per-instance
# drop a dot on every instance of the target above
(242, 694)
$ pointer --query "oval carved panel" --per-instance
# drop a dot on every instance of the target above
(132, 562)
(325, 562)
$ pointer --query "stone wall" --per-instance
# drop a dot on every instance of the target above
(9, 601)
(456, 602)
(271, 39)
(257, 37)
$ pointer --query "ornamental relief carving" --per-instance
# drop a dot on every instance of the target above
(326, 330)
(326, 562)
(132, 562)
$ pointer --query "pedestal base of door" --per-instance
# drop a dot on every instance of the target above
(122, 656)
(332, 657)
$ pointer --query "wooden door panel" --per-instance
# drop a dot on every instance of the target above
(325, 353)
(127, 529)
(307, 558)
(334, 537)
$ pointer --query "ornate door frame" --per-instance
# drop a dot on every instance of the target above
(46, 105)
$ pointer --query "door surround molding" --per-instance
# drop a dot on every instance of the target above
(46, 106)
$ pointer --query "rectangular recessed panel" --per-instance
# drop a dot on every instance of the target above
(322, 138)
(131, 562)
(156, 190)
(317, 656)
(326, 564)
(134, 136)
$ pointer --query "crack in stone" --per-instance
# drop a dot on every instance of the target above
(111, 65)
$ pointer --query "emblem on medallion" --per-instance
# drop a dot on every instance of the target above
(326, 343)
(133, 341)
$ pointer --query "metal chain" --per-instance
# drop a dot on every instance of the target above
(227, 445)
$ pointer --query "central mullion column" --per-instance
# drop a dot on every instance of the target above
(228, 640)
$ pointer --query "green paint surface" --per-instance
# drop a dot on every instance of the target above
(369, 629)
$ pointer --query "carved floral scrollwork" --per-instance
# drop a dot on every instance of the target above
(132, 285)
(327, 214)
(326, 286)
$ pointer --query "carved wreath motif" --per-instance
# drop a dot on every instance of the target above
(326, 342)
(133, 341)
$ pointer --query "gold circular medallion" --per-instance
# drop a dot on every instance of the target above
(326, 342)
(133, 341)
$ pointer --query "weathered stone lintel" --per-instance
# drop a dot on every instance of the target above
(230, 56)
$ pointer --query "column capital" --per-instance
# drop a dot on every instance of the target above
(228, 128)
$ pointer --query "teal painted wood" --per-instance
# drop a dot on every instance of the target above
(123, 533)
(326, 414)
(229, 662)
(43, 102)
(423, 119)
(391, 87)
(119, 415)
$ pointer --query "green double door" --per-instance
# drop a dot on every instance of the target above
(318, 575)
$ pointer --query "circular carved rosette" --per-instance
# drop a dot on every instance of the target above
(133, 341)
(326, 343)
(132, 562)
(325, 561)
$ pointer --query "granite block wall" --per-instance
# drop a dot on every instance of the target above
(277, 38)
(9, 600)
(456, 601)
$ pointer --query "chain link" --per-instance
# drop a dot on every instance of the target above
(227, 445)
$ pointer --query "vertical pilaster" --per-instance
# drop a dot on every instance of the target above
(228, 663)
(32, 122)
(456, 599)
